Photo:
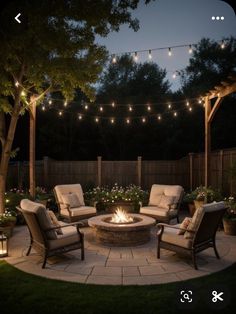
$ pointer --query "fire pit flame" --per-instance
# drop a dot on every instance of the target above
(120, 216)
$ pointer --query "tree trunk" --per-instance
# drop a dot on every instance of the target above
(6, 152)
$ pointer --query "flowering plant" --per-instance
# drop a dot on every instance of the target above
(131, 193)
(202, 193)
(7, 218)
(231, 212)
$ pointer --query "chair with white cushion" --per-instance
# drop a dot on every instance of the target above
(164, 202)
(195, 236)
(47, 236)
(70, 201)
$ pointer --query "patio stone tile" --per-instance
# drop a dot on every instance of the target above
(15, 260)
(192, 273)
(175, 267)
(113, 254)
(130, 271)
(76, 269)
(106, 271)
(126, 262)
(150, 280)
(106, 280)
(151, 270)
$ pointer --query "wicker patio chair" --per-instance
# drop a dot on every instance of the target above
(198, 236)
(70, 201)
(44, 237)
(164, 202)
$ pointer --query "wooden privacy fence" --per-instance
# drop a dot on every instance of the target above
(188, 172)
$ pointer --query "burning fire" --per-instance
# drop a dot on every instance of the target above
(120, 216)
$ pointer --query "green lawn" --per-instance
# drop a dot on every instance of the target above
(24, 293)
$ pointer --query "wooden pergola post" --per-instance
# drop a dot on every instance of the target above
(225, 88)
(32, 179)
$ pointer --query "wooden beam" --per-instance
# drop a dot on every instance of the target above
(214, 109)
(225, 91)
(207, 141)
(32, 178)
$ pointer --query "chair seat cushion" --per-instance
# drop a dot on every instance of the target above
(80, 211)
(157, 211)
(170, 235)
(64, 240)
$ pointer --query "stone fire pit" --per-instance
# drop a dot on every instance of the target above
(122, 234)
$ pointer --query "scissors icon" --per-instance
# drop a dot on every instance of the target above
(217, 296)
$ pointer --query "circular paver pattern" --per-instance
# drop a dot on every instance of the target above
(120, 266)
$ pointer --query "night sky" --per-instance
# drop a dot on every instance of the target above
(165, 23)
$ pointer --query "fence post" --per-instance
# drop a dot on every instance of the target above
(46, 171)
(221, 170)
(231, 179)
(139, 170)
(99, 169)
(191, 170)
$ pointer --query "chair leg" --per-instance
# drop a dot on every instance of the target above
(215, 250)
(177, 219)
(194, 260)
(30, 247)
(44, 260)
(82, 252)
(158, 250)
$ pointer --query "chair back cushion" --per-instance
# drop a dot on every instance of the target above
(38, 220)
(71, 199)
(158, 190)
(61, 190)
(194, 223)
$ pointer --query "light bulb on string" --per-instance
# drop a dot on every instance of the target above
(175, 114)
(86, 107)
(128, 121)
(169, 106)
(113, 104)
(143, 120)
(187, 103)
(135, 56)
(159, 117)
(112, 120)
(17, 84)
(60, 113)
(190, 49)
(80, 117)
(50, 102)
(43, 108)
(174, 75)
(169, 52)
(96, 120)
(149, 108)
(130, 108)
(150, 54)
(222, 46)
(199, 101)
(190, 109)
(23, 93)
(101, 108)
(114, 60)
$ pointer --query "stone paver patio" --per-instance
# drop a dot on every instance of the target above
(119, 266)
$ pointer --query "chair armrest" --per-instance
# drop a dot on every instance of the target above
(172, 205)
(140, 204)
(161, 226)
(64, 226)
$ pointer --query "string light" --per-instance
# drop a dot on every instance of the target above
(143, 120)
(187, 103)
(60, 113)
(96, 120)
(113, 104)
(50, 102)
(159, 117)
(222, 46)
(86, 107)
(169, 106)
(101, 108)
(80, 117)
(128, 121)
(149, 108)
(114, 59)
(190, 50)
(112, 120)
(65, 104)
(175, 114)
(135, 56)
(130, 108)
(190, 108)
(169, 52)
(174, 75)
(17, 84)
(23, 93)
(43, 108)
(150, 54)
(199, 101)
